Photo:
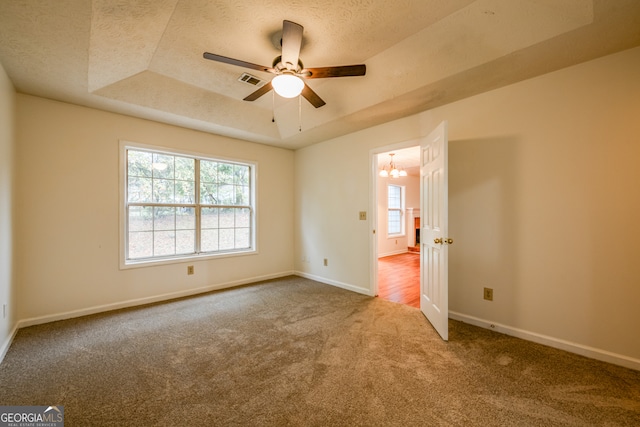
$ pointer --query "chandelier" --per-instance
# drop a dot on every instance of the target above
(392, 170)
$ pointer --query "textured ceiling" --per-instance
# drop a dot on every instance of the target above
(144, 57)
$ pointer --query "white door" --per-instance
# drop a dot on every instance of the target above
(434, 238)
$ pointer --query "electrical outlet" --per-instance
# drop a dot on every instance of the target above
(363, 216)
(488, 294)
(326, 262)
(190, 270)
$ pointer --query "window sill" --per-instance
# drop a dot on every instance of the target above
(182, 259)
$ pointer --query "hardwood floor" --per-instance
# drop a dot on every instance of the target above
(399, 278)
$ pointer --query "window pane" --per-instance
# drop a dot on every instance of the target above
(395, 197)
(209, 194)
(394, 222)
(139, 190)
(242, 195)
(163, 166)
(138, 163)
(185, 219)
(225, 173)
(185, 192)
(209, 241)
(185, 169)
(226, 195)
(208, 171)
(140, 218)
(185, 241)
(164, 218)
(227, 218)
(242, 238)
(241, 173)
(227, 239)
(243, 217)
(209, 218)
(164, 243)
(163, 191)
(140, 244)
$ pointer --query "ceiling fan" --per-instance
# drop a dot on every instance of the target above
(289, 70)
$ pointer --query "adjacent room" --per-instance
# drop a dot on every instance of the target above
(183, 239)
(398, 217)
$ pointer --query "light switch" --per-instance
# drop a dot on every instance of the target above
(363, 216)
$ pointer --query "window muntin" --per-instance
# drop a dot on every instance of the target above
(179, 206)
(395, 203)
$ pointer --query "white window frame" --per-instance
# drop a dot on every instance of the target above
(400, 210)
(170, 259)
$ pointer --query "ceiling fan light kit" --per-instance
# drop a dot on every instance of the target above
(290, 73)
(287, 85)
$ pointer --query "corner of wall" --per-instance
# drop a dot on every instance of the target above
(7, 196)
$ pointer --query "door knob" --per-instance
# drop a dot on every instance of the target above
(449, 241)
(437, 241)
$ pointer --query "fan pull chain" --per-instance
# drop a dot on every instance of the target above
(273, 107)
(299, 113)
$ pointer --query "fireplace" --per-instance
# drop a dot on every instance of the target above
(413, 229)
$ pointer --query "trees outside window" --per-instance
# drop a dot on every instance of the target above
(178, 206)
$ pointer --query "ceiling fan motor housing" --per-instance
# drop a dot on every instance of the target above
(279, 66)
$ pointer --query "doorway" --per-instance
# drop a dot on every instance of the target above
(397, 216)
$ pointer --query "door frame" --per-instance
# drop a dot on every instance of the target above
(373, 207)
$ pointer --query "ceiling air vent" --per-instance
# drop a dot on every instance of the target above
(249, 79)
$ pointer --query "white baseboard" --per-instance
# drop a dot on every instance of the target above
(335, 283)
(147, 300)
(7, 343)
(583, 350)
(398, 252)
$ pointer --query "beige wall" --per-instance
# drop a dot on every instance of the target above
(7, 319)
(67, 212)
(544, 205)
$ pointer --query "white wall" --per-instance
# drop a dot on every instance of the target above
(7, 320)
(67, 176)
(397, 244)
(544, 205)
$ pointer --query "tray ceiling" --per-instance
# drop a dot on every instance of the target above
(144, 58)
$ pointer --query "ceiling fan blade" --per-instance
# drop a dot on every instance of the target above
(343, 71)
(312, 97)
(258, 93)
(291, 43)
(239, 63)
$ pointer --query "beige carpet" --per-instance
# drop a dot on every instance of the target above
(293, 352)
